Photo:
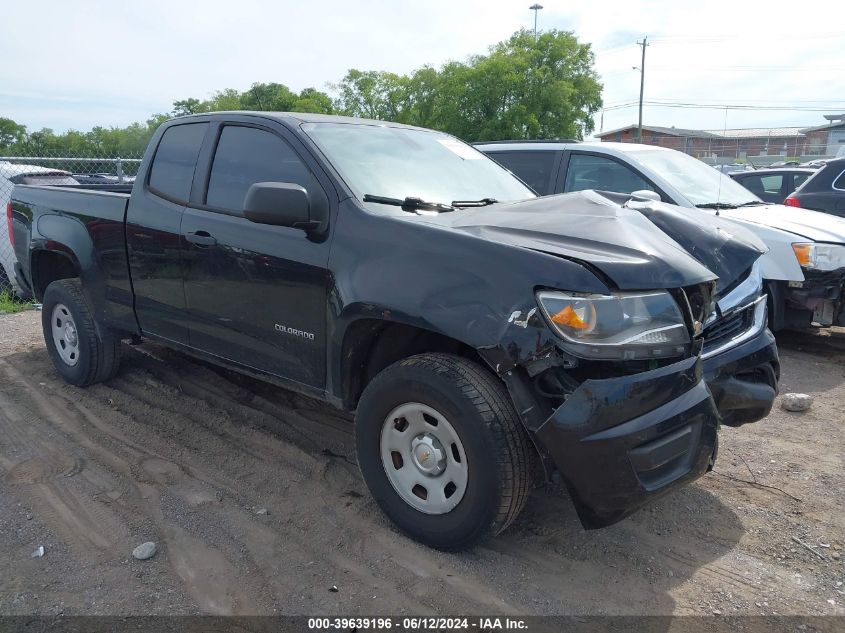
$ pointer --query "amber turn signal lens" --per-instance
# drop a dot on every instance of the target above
(570, 318)
(803, 253)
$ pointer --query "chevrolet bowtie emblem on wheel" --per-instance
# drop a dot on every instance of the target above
(424, 456)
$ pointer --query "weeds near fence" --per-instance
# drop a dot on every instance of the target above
(10, 303)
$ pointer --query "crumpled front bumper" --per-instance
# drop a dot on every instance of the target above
(622, 442)
(744, 379)
(742, 371)
(822, 293)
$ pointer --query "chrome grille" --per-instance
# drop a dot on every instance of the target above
(727, 328)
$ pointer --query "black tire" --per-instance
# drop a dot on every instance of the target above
(98, 348)
(499, 454)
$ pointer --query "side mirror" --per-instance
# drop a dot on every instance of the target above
(646, 194)
(279, 204)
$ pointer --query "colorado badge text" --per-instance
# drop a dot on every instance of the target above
(308, 336)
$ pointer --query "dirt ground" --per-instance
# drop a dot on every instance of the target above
(190, 456)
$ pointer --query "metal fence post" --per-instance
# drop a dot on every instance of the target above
(119, 170)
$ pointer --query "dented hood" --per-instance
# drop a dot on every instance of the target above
(724, 246)
(620, 242)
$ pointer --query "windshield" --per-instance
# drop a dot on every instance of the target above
(697, 181)
(399, 163)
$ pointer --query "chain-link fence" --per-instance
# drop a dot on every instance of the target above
(52, 170)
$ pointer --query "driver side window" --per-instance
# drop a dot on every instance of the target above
(247, 155)
(603, 174)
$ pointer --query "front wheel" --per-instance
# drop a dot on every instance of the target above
(442, 450)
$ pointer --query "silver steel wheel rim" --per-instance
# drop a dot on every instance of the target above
(423, 458)
(65, 335)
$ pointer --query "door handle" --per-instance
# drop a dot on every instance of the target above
(201, 238)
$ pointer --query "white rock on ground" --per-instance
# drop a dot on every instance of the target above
(145, 550)
(796, 402)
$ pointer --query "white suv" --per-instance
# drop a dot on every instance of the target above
(11, 175)
(804, 270)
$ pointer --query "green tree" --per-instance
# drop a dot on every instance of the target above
(156, 120)
(313, 100)
(228, 99)
(40, 143)
(373, 94)
(10, 132)
(270, 97)
(132, 140)
(189, 106)
(523, 88)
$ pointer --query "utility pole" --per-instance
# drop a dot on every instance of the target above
(535, 8)
(643, 44)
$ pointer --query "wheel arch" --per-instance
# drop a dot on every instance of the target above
(370, 345)
(49, 265)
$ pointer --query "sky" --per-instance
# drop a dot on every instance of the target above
(86, 63)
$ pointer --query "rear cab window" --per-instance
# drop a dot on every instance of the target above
(175, 160)
(534, 168)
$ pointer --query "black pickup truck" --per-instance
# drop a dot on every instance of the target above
(481, 335)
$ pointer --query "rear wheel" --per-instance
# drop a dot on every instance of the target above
(81, 352)
(442, 450)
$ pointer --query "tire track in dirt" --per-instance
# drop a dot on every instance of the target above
(184, 452)
(336, 474)
(208, 575)
(44, 471)
(134, 428)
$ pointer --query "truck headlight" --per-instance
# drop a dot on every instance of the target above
(619, 326)
(820, 256)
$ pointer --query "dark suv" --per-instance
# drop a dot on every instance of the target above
(773, 185)
(825, 191)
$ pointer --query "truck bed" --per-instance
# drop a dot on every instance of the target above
(80, 227)
(104, 201)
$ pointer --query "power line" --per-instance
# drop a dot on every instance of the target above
(671, 39)
(607, 51)
(723, 69)
(755, 69)
(788, 101)
(716, 37)
(717, 106)
(826, 103)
